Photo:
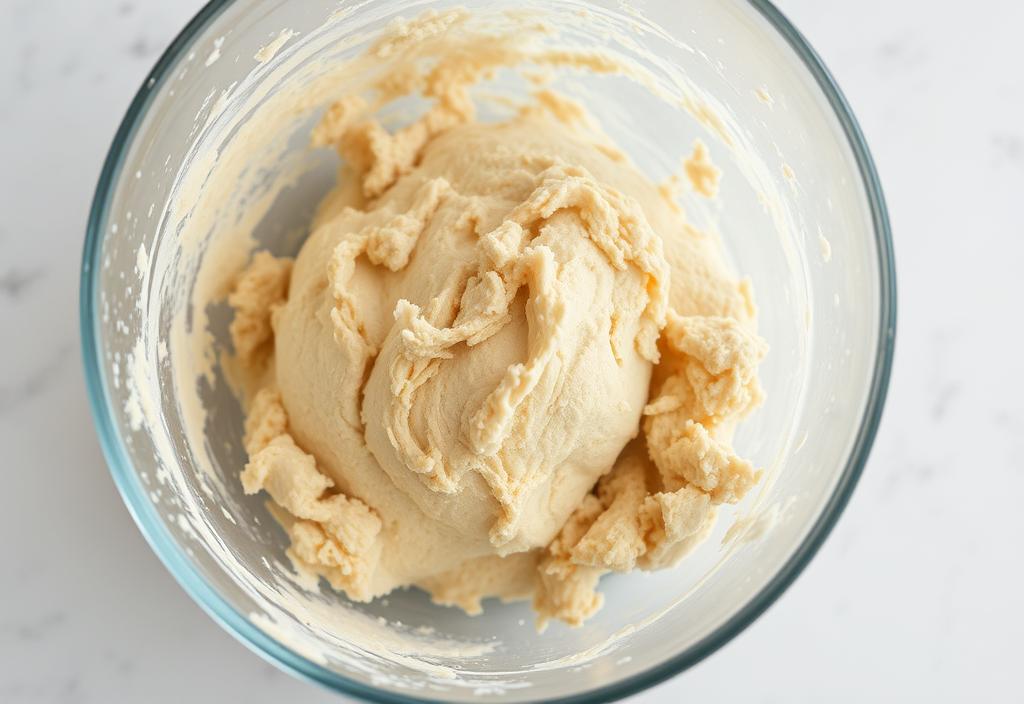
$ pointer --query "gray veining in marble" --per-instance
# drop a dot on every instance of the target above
(915, 597)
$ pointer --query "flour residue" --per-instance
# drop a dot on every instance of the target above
(824, 248)
(268, 51)
(214, 55)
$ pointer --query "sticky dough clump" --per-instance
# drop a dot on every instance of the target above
(502, 363)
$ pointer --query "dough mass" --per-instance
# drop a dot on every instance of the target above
(502, 364)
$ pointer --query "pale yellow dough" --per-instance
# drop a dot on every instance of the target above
(501, 365)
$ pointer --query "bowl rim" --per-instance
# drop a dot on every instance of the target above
(238, 625)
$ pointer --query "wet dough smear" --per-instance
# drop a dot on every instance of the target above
(502, 363)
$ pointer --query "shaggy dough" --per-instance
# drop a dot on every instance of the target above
(501, 365)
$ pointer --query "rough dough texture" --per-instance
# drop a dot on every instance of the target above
(501, 365)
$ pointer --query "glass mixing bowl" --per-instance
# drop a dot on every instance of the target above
(800, 212)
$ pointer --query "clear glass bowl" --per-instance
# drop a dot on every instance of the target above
(801, 213)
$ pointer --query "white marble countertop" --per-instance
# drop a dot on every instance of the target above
(917, 594)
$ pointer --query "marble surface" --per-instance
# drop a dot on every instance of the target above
(917, 594)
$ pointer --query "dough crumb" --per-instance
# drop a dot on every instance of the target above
(703, 175)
